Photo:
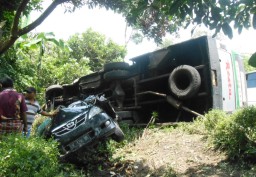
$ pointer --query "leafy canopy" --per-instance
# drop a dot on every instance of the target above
(41, 60)
(154, 18)
(96, 48)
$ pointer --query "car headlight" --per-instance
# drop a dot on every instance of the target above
(94, 111)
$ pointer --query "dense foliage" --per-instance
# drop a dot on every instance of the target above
(10, 66)
(20, 156)
(153, 18)
(41, 60)
(96, 47)
(232, 133)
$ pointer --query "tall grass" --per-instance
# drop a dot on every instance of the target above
(234, 133)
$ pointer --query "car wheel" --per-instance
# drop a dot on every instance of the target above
(116, 66)
(184, 81)
(118, 135)
(115, 75)
(54, 91)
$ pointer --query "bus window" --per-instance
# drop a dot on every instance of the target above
(251, 88)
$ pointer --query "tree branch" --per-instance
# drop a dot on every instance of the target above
(7, 44)
(42, 17)
(17, 16)
(16, 33)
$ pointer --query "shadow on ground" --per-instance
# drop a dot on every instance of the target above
(139, 169)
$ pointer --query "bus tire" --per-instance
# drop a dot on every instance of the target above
(116, 66)
(184, 81)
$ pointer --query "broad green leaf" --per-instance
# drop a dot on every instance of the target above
(56, 42)
(252, 60)
(227, 30)
(35, 41)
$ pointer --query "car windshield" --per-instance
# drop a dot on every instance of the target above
(66, 114)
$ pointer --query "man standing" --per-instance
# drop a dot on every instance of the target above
(12, 109)
(33, 107)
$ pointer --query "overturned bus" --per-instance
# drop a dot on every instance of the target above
(179, 82)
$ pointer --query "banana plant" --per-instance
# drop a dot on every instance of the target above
(31, 49)
(38, 43)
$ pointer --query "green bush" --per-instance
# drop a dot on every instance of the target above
(213, 118)
(21, 156)
(204, 125)
(235, 134)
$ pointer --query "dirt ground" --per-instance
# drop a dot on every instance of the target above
(161, 152)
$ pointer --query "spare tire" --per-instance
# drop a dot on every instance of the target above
(116, 66)
(54, 91)
(115, 75)
(184, 81)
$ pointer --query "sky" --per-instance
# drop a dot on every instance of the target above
(113, 27)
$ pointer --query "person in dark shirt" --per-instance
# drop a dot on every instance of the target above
(12, 109)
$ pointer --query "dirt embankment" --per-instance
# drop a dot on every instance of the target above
(171, 153)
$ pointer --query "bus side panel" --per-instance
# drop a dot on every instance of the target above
(240, 83)
(228, 84)
(215, 70)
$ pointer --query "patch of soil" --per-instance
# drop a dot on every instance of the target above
(170, 153)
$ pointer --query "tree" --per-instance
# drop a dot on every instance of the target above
(44, 61)
(96, 47)
(154, 18)
(11, 15)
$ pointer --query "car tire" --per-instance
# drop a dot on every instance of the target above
(118, 135)
(184, 81)
(54, 90)
(116, 66)
(115, 75)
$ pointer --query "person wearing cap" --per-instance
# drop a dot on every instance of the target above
(12, 109)
(33, 107)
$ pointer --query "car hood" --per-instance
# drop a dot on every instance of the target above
(66, 114)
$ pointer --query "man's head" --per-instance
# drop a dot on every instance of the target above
(30, 92)
(7, 82)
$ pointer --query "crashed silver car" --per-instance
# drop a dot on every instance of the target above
(84, 123)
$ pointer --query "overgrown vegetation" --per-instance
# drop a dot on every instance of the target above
(153, 19)
(20, 156)
(232, 133)
(40, 60)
